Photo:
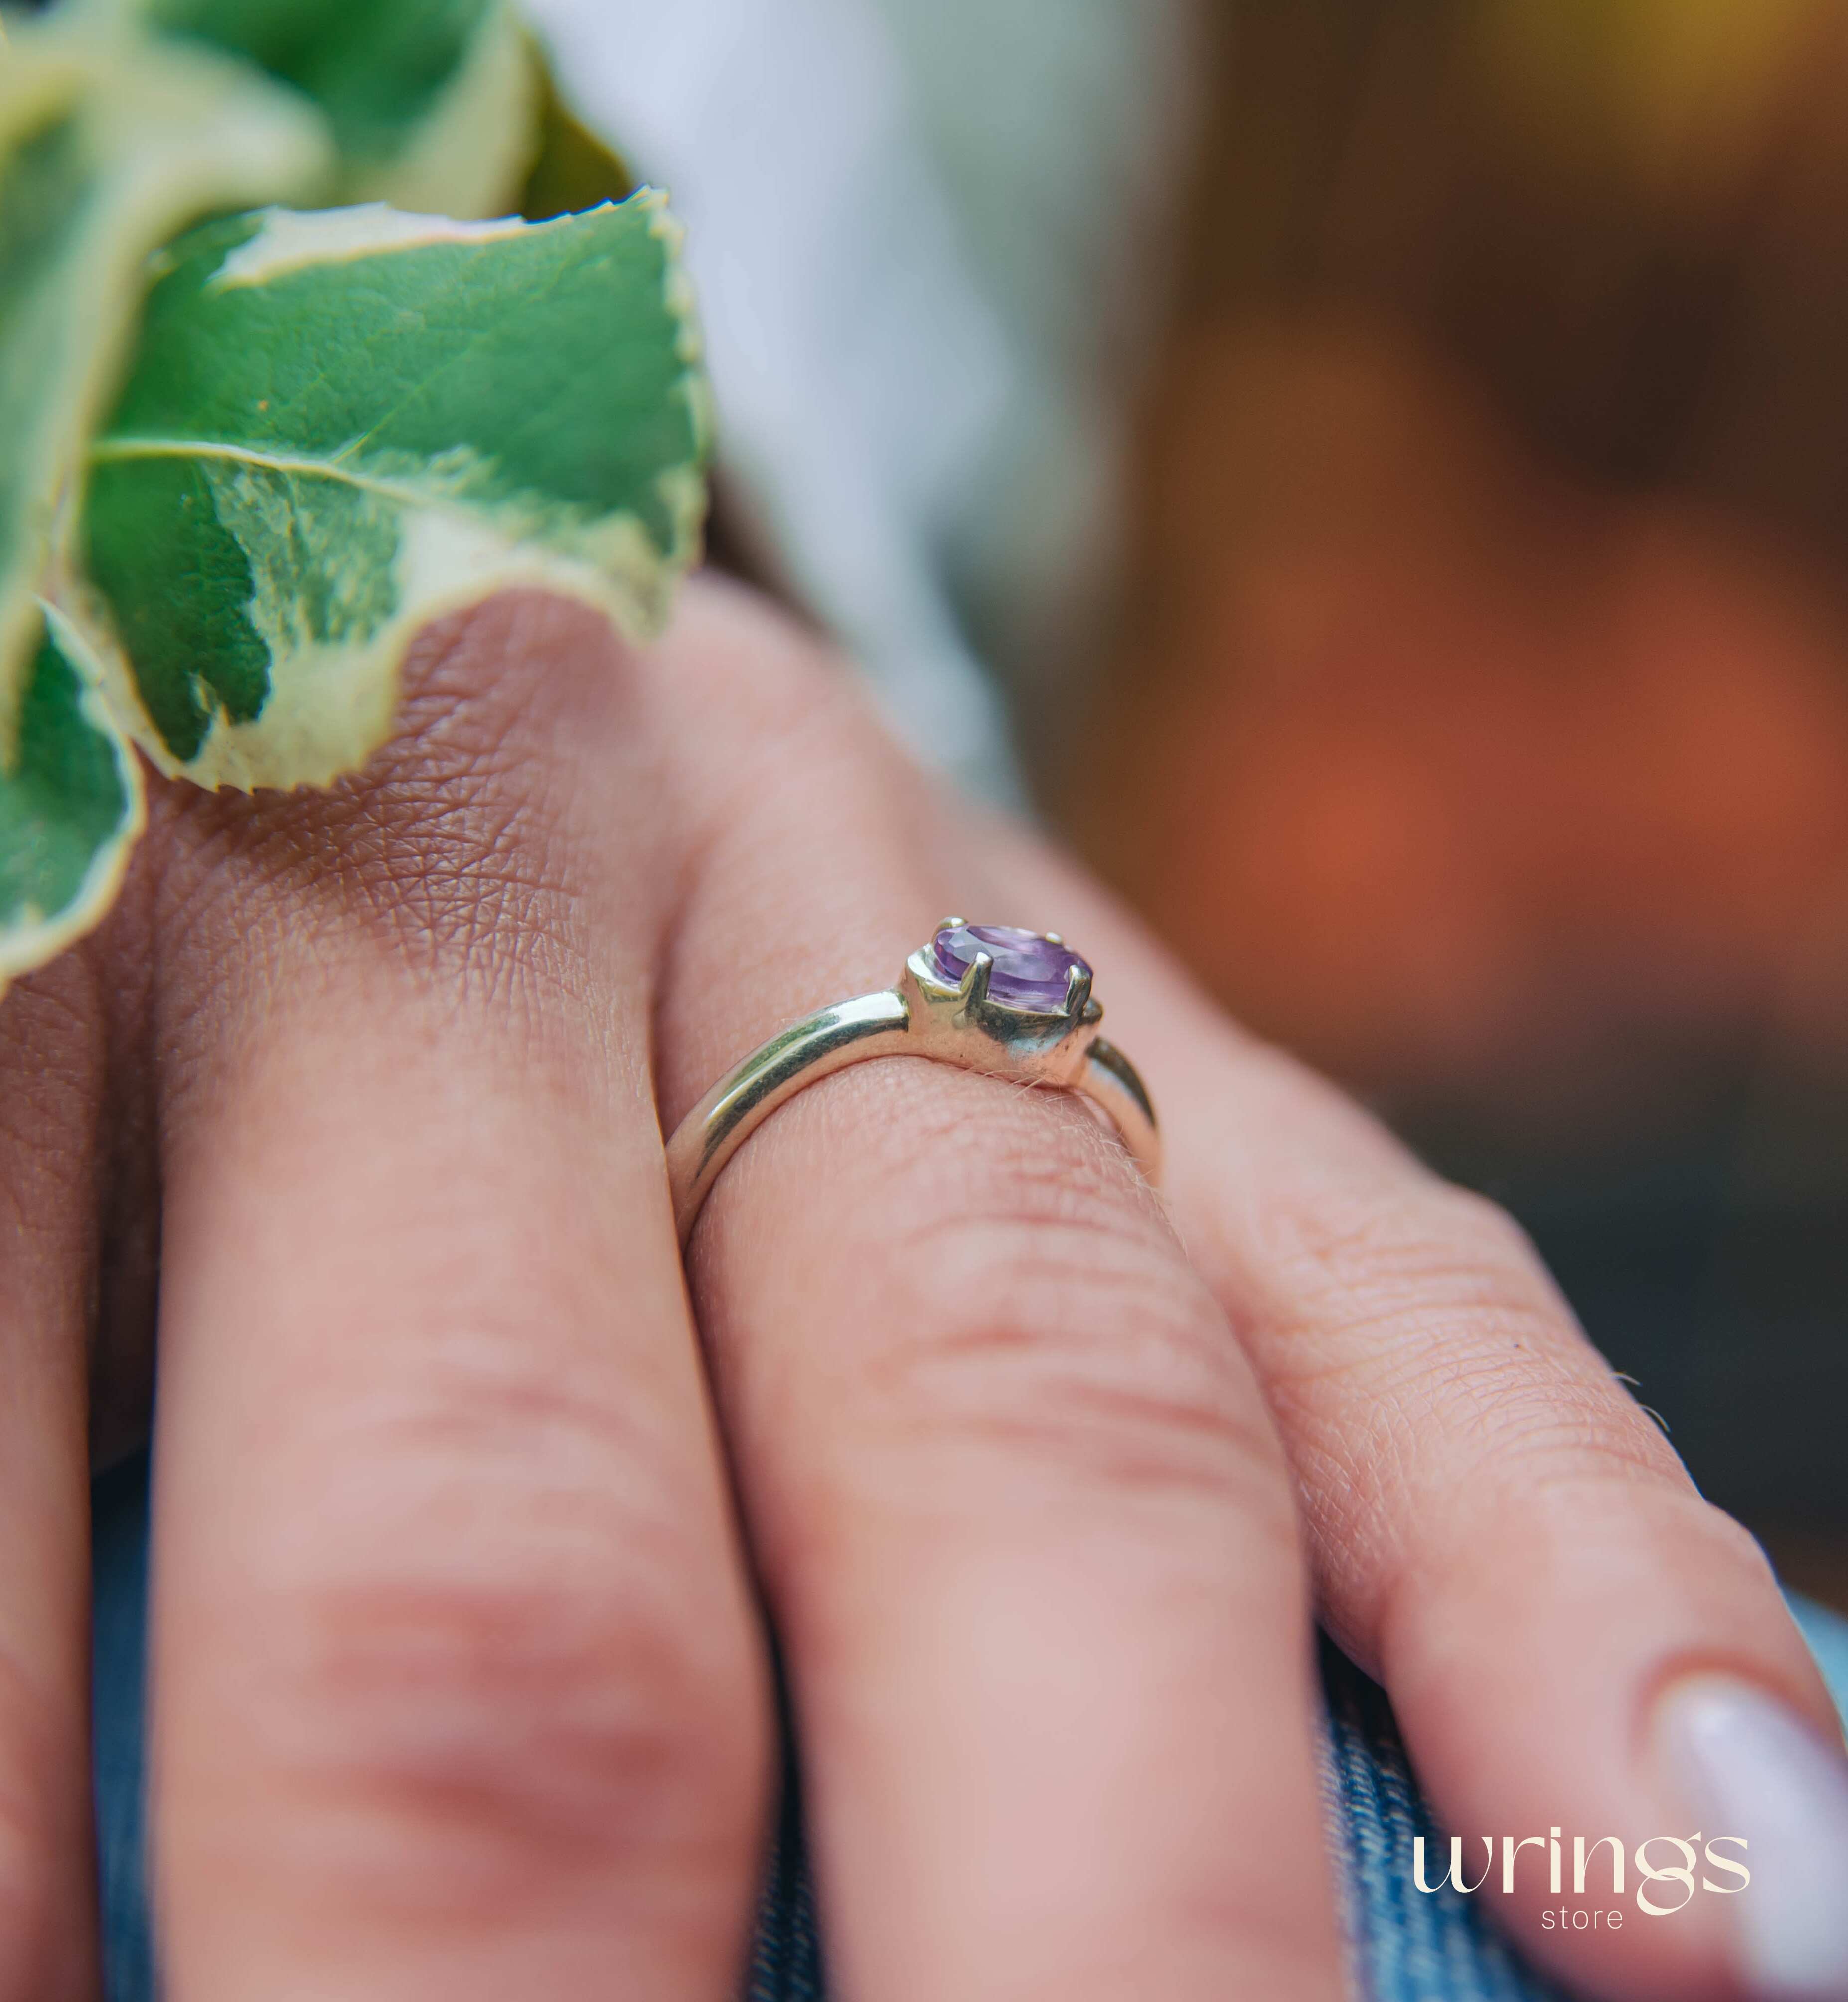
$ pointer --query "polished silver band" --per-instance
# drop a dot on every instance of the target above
(925, 1015)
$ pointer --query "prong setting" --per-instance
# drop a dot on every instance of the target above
(986, 1000)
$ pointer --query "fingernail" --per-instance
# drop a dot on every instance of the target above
(1749, 1767)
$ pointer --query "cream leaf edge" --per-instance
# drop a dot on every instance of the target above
(475, 144)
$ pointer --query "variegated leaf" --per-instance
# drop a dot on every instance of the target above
(107, 144)
(106, 147)
(432, 102)
(341, 425)
(70, 804)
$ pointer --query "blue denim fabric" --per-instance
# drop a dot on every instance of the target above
(1407, 1947)
(119, 1559)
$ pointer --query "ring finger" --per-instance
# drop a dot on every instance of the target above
(1012, 1493)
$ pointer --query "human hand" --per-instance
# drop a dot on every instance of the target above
(460, 1681)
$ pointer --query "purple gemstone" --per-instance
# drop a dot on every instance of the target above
(1029, 971)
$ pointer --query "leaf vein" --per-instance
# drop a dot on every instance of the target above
(125, 450)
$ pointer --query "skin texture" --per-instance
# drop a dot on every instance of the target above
(469, 1513)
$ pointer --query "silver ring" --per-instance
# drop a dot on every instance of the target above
(1015, 1004)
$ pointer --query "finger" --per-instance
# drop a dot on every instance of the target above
(1574, 1640)
(456, 1687)
(52, 1032)
(1017, 1509)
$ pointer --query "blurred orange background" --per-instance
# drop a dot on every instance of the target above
(1477, 720)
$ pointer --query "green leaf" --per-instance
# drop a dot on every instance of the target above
(107, 144)
(71, 805)
(341, 425)
(432, 102)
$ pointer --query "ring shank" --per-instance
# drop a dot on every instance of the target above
(872, 1025)
(1112, 1083)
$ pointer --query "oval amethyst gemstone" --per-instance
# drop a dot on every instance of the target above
(1029, 971)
